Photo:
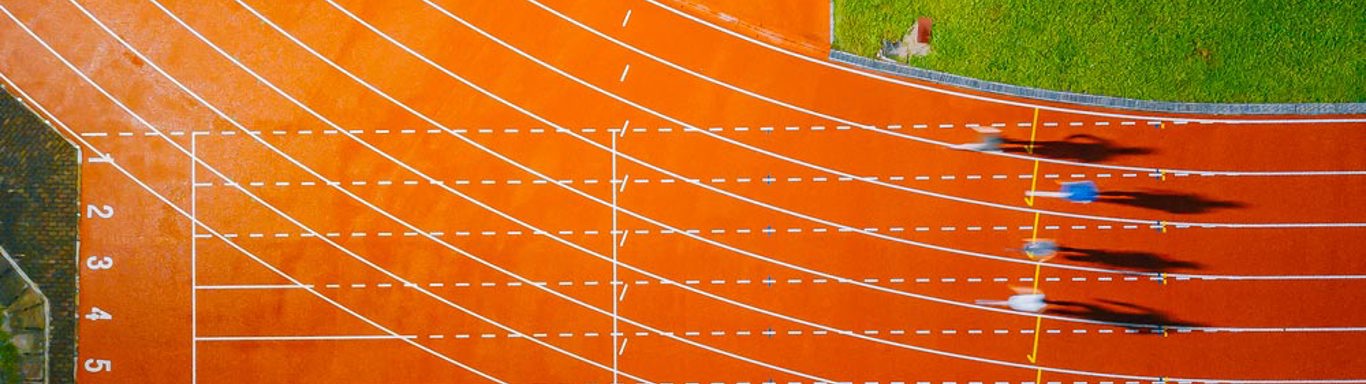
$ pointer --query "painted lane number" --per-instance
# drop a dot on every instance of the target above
(96, 365)
(102, 211)
(96, 263)
(97, 314)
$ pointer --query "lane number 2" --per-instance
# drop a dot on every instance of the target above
(102, 211)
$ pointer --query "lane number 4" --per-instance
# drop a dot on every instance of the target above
(97, 314)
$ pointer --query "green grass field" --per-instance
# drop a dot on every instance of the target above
(9, 360)
(1244, 51)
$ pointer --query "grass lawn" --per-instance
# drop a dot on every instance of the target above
(1244, 51)
(9, 360)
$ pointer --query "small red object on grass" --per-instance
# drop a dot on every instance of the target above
(922, 30)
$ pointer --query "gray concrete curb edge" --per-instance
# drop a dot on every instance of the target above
(1095, 100)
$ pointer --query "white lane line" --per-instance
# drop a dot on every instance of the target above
(626, 19)
(824, 63)
(542, 120)
(383, 132)
(624, 71)
(623, 239)
(623, 292)
(446, 245)
(530, 170)
(504, 158)
(451, 74)
(591, 232)
(713, 281)
(616, 305)
(194, 259)
(622, 350)
(667, 180)
(624, 180)
(304, 338)
(182, 212)
(477, 145)
(888, 132)
(821, 168)
(274, 209)
(251, 287)
(744, 333)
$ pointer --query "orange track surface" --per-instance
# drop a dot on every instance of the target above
(394, 259)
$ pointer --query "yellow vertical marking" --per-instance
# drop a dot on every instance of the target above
(1038, 267)
(1035, 235)
(1033, 128)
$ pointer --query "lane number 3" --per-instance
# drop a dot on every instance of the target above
(96, 263)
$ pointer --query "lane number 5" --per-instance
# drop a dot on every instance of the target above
(96, 365)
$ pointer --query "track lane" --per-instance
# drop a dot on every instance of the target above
(1256, 138)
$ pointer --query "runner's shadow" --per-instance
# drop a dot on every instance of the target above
(1170, 202)
(1136, 316)
(1136, 260)
(1078, 147)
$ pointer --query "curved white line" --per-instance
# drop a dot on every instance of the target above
(444, 128)
(276, 210)
(874, 128)
(421, 116)
(985, 98)
(435, 123)
(817, 114)
(460, 251)
(457, 77)
(833, 171)
(234, 245)
(544, 177)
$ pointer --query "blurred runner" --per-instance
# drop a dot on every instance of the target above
(1081, 192)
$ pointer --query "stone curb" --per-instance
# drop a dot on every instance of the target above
(1095, 100)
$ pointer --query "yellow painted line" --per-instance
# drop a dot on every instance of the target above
(1035, 235)
(1034, 353)
(1037, 267)
(1033, 128)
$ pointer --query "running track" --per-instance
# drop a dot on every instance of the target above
(410, 191)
